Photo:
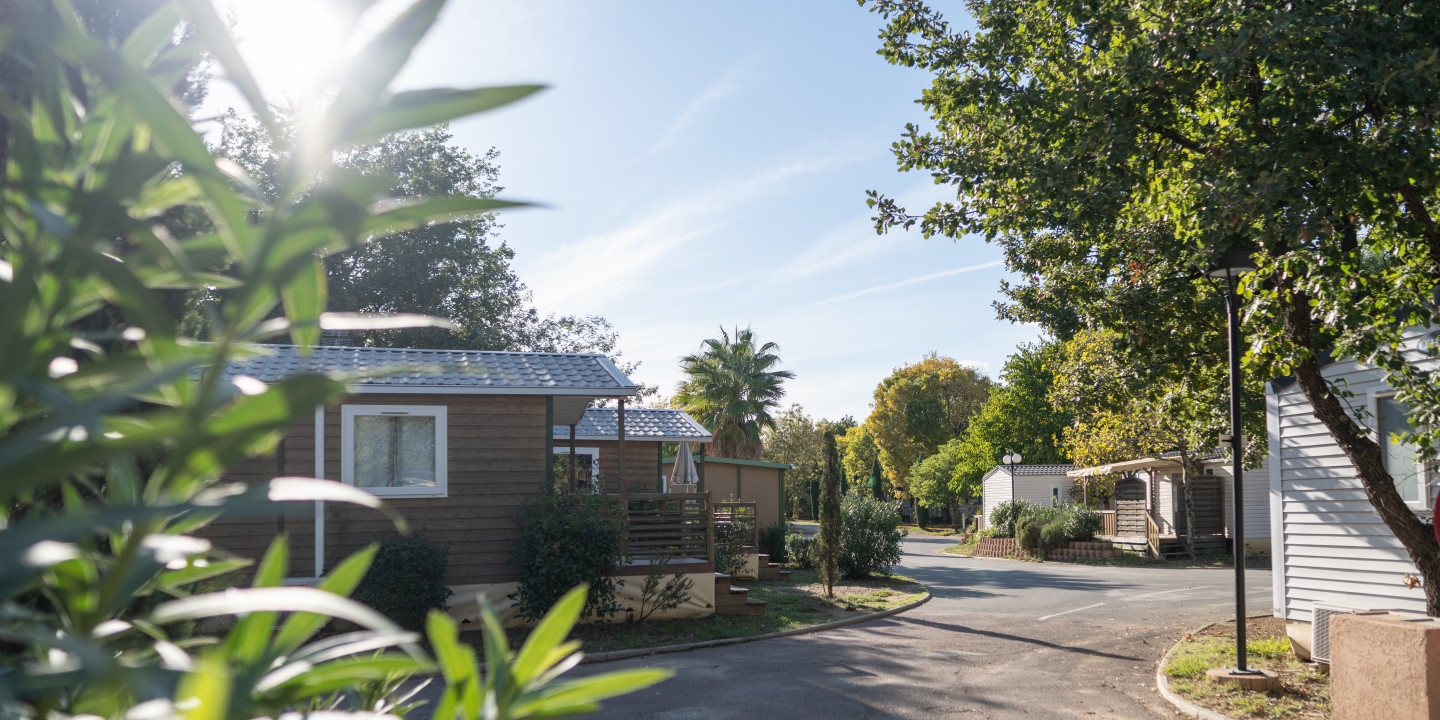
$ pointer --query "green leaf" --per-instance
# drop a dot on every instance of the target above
(272, 599)
(424, 108)
(341, 580)
(536, 655)
(304, 301)
(413, 214)
(204, 693)
(583, 695)
(380, 61)
(151, 36)
(215, 33)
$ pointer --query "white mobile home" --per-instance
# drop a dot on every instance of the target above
(1149, 490)
(1040, 484)
(1335, 547)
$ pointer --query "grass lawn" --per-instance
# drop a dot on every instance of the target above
(794, 603)
(1304, 693)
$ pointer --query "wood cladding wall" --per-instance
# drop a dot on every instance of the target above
(496, 462)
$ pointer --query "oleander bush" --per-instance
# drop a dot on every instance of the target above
(1027, 533)
(870, 536)
(406, 580)
(1083, 524)
(772, 542)
(568, 539)
(802, 550)
(1054, 534)
(1005, 516)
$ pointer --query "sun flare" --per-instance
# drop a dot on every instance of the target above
(290, 45)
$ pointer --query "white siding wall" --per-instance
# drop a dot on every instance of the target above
(1334, 547)
(1257, 498)
(1035, 488)
(1164, 498)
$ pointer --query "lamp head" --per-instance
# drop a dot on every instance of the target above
(1016, 458)
(1232, 263)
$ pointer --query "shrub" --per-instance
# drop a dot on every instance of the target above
(988, 532)
(730, 541)
(406, 580)
(1027, 531)
(802, 550)
(1005, 515)
(772, 542)
(565, 540)
(1082, 524)
(871, 535)
(657, 598)
(1046, 514)
(1053, 534)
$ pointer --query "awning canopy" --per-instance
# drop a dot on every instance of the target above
(1112, 468)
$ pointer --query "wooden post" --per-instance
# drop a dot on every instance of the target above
(660, 467)
(549, 442)
(700, 471)
(709, 529)
(573, 460)
(620, 445)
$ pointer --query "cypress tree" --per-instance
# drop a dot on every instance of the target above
(830, 531)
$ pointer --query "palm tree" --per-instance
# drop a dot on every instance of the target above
(731, 390)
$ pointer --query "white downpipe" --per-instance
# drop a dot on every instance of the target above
(320, 504)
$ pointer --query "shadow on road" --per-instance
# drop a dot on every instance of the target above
(952, 627)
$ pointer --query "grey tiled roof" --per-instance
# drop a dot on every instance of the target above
(541, 373)
(640, 424)
(1036, 469)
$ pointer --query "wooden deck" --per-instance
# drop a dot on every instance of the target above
(1171, 546)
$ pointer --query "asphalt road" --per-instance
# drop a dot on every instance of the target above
(1000, 639)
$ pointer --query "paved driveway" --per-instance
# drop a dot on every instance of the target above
(1000, 639)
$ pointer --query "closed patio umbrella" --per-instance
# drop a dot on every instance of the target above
(683, 473)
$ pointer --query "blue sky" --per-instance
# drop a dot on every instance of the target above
(704, 164)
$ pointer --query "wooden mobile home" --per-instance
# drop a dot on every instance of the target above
(456, 441)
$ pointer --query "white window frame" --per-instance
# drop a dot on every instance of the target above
(594, 462)
(348, 413)
(1422, 471)
(1057, 496)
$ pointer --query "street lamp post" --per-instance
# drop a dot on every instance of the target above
(1011, 460)
(1229, 267)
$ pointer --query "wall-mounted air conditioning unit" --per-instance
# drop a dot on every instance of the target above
(1321, 612)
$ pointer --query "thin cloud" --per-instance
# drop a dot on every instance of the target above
(855, 239)
(904, 283)
(583, 272)
(726, 85)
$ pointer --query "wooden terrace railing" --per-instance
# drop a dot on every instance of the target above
(741, 512)
(663, 524)
(1107, 522)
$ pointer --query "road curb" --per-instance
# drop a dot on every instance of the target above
(1162, 681)
(664, 649)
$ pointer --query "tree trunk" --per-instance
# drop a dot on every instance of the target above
(1187, 492)
(1364, 453)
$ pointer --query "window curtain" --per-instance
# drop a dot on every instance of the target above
(394, 451)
